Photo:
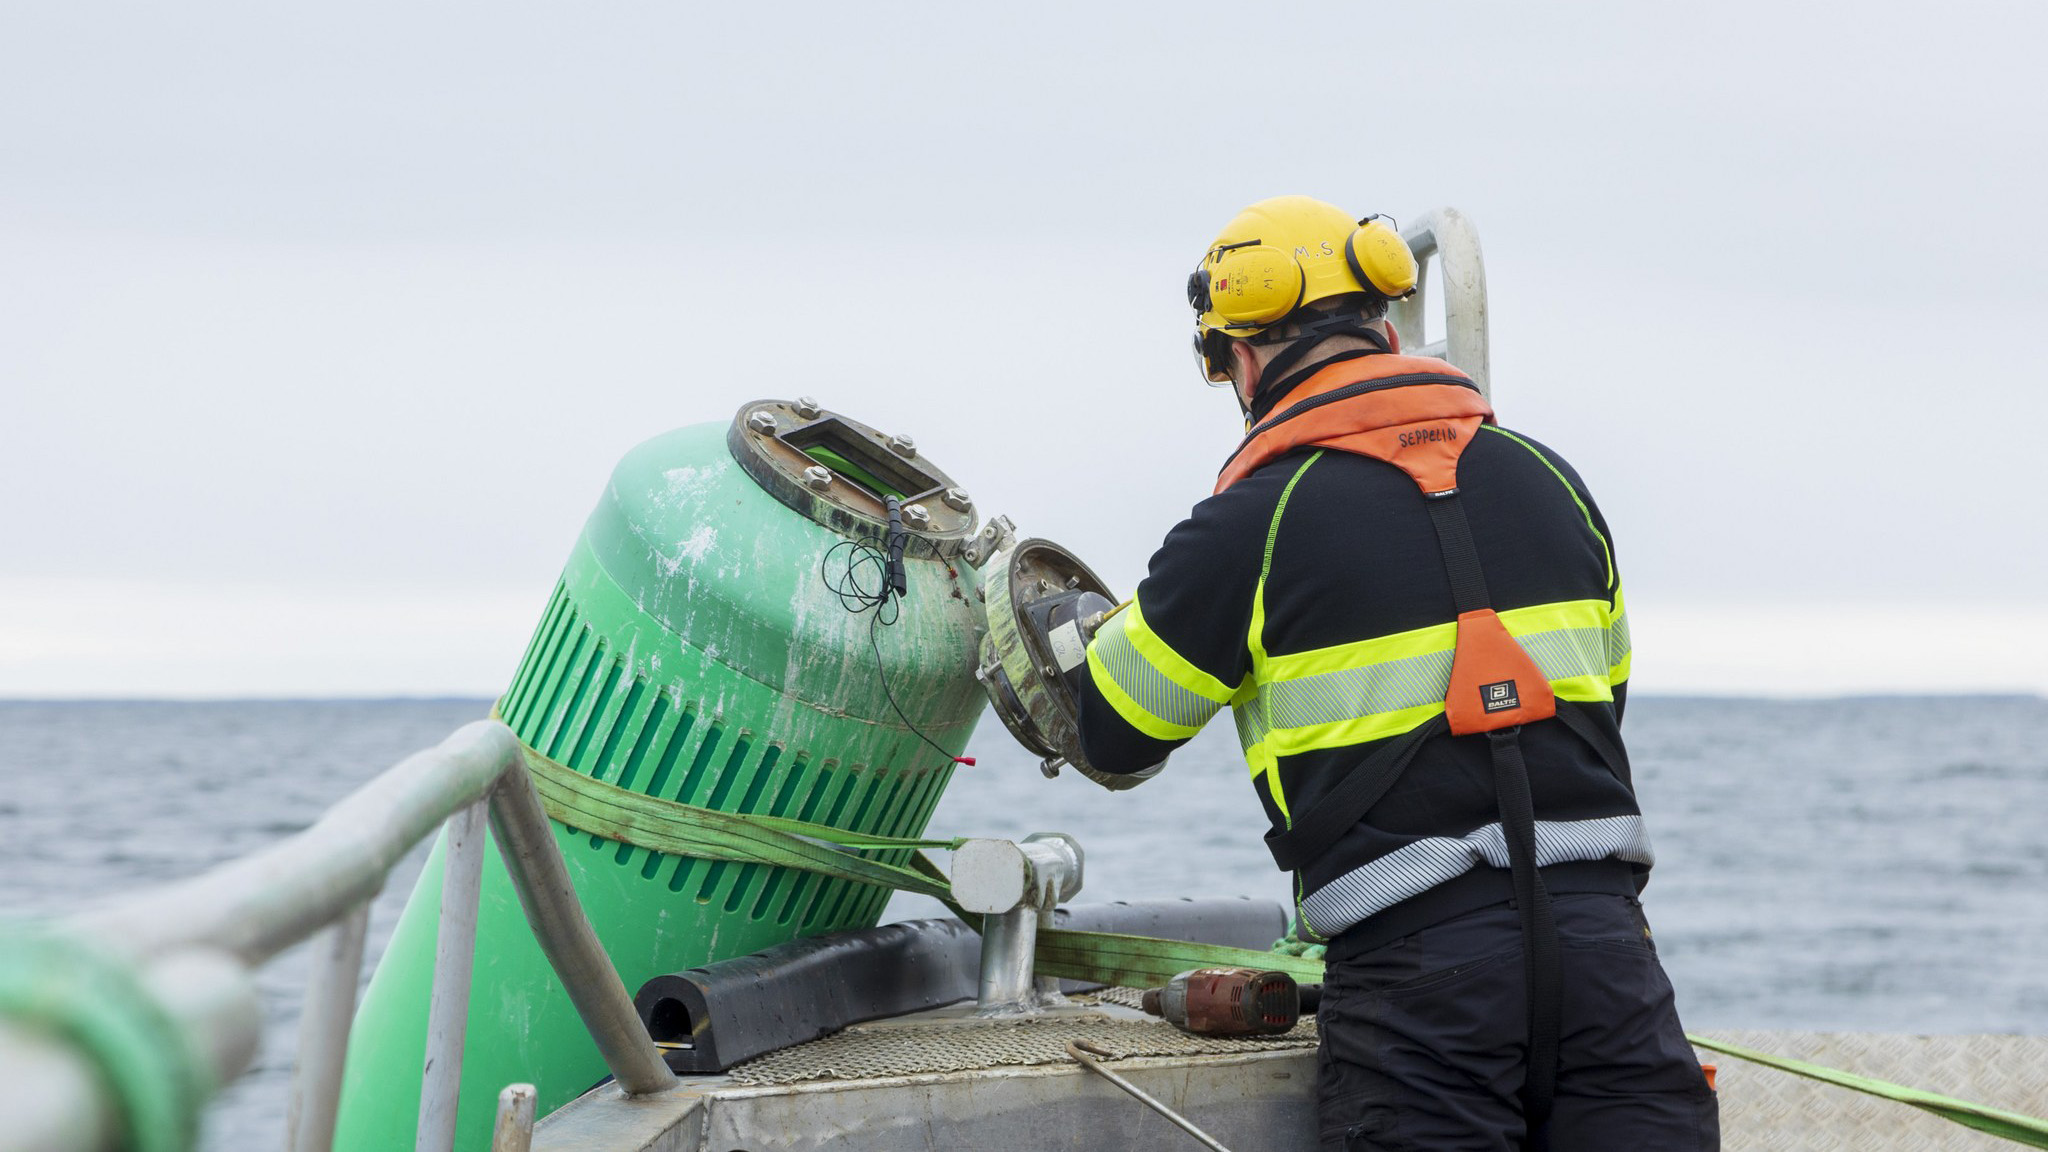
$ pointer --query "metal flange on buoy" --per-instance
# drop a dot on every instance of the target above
(1026, 650)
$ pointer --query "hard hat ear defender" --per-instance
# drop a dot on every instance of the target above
(1253, 284)
(1380, 258)
(1242, 289)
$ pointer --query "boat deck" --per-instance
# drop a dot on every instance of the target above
(945, 1079)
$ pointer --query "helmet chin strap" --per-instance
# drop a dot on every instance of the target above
(1286, 370)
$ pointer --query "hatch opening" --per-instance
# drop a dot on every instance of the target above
(856, 458)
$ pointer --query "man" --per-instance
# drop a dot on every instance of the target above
(1415, 616)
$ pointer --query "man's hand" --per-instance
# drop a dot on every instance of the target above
(1068, 621)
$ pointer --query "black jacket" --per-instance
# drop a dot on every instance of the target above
(1355, 558)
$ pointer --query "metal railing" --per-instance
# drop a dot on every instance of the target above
(191, 948)
(1448, 235)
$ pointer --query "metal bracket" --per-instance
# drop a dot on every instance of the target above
(1015, 887)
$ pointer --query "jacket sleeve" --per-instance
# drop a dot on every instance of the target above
(1163, 666)
(1619, 650)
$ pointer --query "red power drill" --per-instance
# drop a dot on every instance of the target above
(1232, 1001)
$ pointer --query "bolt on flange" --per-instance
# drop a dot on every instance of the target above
(903, 446)
(762, 422)
(818, 476)
(916, 514)
(957, 499)
(808, 407)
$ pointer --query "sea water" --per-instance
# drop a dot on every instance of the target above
(1872, 863)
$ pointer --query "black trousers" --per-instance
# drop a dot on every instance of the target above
(1424, 1041)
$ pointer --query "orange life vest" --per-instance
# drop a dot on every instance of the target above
(1417, 413)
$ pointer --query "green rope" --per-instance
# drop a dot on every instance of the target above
(1996, 1121)
(69, 989)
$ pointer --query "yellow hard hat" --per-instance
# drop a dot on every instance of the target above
(1282, 254)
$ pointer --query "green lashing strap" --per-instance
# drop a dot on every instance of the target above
(72, 991)
(1130, 961)
(1147, 962)
(686, 830)
(2012, 1126)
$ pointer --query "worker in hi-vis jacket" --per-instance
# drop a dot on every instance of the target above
(1415, 616)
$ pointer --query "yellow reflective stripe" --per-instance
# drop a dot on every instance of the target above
(1134, 630)
(1357, 730)
(1250, 703)
(1150, 698)
(1360, 653)
(1255, 643)
(1373, 689)
(1133, 713)
(1520, 622)
(1591, 689)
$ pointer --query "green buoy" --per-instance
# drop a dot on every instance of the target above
(694, 651)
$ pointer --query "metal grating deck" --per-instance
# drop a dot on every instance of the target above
(960, 1044)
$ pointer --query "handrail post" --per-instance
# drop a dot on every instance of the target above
(1448, 235)
(514, 1130)
(454, 963)
(323, 1033)
(527, 845)
(194, 942)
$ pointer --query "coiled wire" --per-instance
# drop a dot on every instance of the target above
(857, 572)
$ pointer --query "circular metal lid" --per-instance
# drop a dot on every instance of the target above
(838, 472)
(1018, 669)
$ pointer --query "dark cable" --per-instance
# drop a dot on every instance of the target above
(872, 580)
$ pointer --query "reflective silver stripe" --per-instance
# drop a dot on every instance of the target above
(1563, 653)
(1415, 868)
(1331, 697)
(1148, 687)
(1412, 681)
(1251, 722)
(1617, 640)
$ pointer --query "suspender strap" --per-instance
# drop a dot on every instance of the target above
(1615, 757)
(1461, 555)
(1524, 695)
(1540, 949)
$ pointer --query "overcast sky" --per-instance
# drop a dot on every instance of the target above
(322, 326)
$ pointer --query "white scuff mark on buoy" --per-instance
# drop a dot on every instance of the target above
(684, 481)
(702, 539)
